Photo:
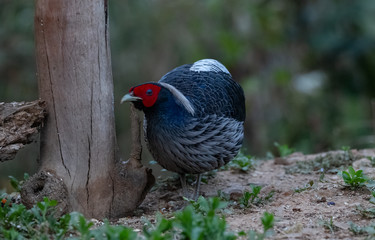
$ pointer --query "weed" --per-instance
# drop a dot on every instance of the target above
(354, 178)
(322, 175)
(16, 184)
(372, 160)
(283, 150)
(330, 163)
(252, 198)
(346, 148)
(308, 186)
(223, 195)
(108, 231)
(366, 212)
(199, 220)
(268, 221)
(242, 162)
(161, 230)
(328, 224)
(366, 230)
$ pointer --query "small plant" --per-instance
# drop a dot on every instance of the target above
(372, 160)
(366, 212)
(366, 230)
(208, 206)
(284, 150)
(346, 148)
(322, 175)
(16, 184)
(268, 221)
(308, 186)
(223, 196)
(242, 162)
(200, 221)
(161, 230)
(328, 224)
(354, 178)
(249, 199)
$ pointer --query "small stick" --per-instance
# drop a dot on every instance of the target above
(136, 148)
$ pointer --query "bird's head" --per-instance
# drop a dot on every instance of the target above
(144, 95)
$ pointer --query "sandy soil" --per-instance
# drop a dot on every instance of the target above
(299, 215)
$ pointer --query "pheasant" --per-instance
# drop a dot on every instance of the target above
(193, 118)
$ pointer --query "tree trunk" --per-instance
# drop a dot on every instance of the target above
(78, 143)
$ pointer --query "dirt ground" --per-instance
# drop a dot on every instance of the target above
(299, 214)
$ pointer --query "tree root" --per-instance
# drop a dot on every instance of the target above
(45, 184)
(133, 180)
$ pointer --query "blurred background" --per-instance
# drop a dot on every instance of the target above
(307, 67)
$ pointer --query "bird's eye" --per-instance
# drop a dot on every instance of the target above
(149, 92)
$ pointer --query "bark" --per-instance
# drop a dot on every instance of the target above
(78, 142)
(19, 126)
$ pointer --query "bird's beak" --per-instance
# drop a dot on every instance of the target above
(130, 98)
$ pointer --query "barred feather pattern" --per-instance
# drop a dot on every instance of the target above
(202, 145)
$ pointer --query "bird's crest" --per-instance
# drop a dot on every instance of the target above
(180, 97)
(208, 65)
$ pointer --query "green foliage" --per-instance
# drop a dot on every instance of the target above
(268, 222)
(16, 184)
(39, 222)
(252, 198)
(160, 231)
(354, 178)
(283, 150)
(242, 162)
(368, 230)
(111, 232)
(195, 225)
(36, 223)
(199, 220)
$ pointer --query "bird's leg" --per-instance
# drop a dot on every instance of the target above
(197, 187)
(183, 184)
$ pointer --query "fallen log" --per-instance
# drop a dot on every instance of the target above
(19, 125)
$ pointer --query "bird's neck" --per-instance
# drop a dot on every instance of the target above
(167, 112)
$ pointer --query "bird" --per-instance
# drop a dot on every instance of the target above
(193, 118)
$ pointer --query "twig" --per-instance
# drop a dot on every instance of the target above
(136, 148)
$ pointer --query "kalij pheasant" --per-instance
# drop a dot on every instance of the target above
(193, 118)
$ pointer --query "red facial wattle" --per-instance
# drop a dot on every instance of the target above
(148, 92)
